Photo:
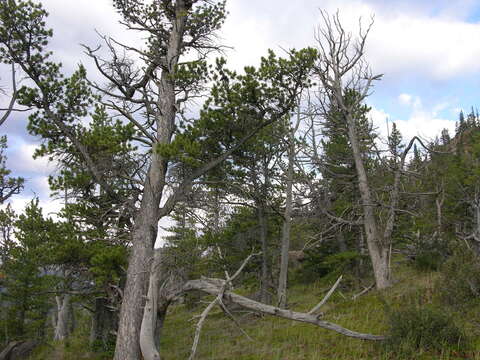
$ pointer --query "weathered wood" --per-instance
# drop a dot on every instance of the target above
(62, 329)
(214, 287)
(218, 300)
(287, 217)
(5, 354)
(326, 297)
(147, 330)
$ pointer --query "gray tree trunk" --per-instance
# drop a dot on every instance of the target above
(146, 222)
(63, 317)
(264, 275)
(287, 224)
(215, 287)
(149, 322)
(144, 236)
(377, 248)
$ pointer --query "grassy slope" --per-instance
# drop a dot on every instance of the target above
(286, 340)
(282, 339)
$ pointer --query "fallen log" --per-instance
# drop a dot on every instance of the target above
(217, 286)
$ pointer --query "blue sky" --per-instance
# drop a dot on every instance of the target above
(428, 52)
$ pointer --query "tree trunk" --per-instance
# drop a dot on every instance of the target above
(63, 317)
(264, 288)
(377, 249)
(133, 301)
(215, 287)
(342, 245)
(146, 223)
(162, 308)
(287, 223)
(149, 322)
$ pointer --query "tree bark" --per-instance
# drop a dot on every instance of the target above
(62, 326)
(144, 236)
(149, 322)
(264, 278)
(287, 224)
(377, 249)
(146, 223)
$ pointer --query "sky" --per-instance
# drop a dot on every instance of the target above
(428, 52)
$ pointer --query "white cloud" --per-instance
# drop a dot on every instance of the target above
(405, 99)
(23, 161)
(19, 202)
(413, 101)
(435, 47)
(423, 122)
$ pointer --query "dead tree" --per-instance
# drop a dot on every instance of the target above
(346, 81)
(62, 330)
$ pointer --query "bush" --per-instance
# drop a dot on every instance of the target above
(428, 260)
(430, 255)
(459, 282)
(325, 261)
(424, 329)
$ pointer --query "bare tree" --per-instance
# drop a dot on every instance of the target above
(8, 186)
(346, 81)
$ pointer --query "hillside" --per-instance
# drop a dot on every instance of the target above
(275, 338)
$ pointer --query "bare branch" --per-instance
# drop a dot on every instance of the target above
(324, 300)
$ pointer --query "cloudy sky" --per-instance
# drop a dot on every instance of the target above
(428, 52)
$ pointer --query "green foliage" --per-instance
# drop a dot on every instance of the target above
(428, 260)
(327, 260)
(430, 254)
(423, 329)
(25, 278)
(459, 282)
(239, 104)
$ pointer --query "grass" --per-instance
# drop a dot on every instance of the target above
(279, 339)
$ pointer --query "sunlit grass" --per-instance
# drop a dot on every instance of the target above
(281, 339)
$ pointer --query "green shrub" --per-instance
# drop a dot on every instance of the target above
(327, 261)
(459, 282)
(430, 255)
(418, 329)
(428, 260)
